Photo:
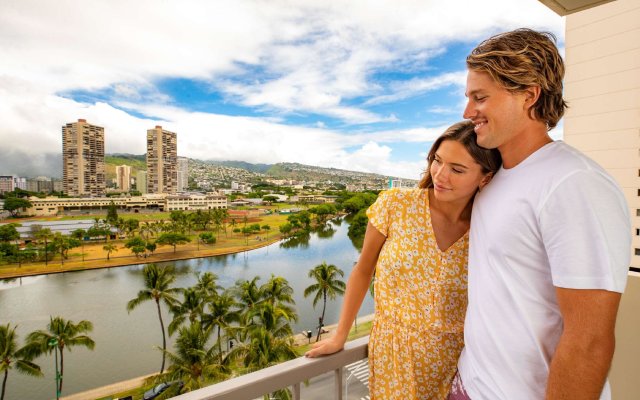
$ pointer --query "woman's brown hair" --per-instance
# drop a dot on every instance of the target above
(462, 132)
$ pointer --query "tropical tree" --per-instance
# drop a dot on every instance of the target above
(60, 334)
(248, 295)
(193, 362)
(14, 205)
(79, 234)
(190, 308)
(279, 293)
(173, 239)
(62, 244)
(13, 357)
(150, 247)
(269, 341)
(43, 235)
(109, 248)
(207, 284)
(327, 284)
(112, 213)
(221, 313)
(157, 282)
(9, 233)
(136, 244)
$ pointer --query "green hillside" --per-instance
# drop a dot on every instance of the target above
(136, 162)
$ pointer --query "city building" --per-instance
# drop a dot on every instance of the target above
(194, 201)
(240, 187)
(162, 161)
(83, 169)
(141, 182)
(21, 183)
(150, 202)
(183, 174)
(123, 178)
(40, 184)
(395, 183)
(7, 183)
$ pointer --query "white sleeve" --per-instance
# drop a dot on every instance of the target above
(585, 227)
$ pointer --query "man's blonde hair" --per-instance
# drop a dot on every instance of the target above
(523, 58)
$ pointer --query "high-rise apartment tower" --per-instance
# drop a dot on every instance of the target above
(162, 161)
(83, 171)
(123, 177)
(183, 174)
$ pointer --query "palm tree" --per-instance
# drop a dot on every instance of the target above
(269, 341)
(13, 357)
(208, 284)
(65, 333)
(190, 308)
(79, 234)
(327, 285)
(44, 234)
(278, 292)
(248, 295)
(109, 248)
(193, 363)
(221, 314)
(156, 282)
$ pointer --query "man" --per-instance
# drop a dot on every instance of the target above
(549, 242)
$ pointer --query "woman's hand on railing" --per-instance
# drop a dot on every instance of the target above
(325, 347)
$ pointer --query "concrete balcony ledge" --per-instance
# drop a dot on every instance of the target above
(290, 373)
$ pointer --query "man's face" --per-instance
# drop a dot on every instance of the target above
(498, 115)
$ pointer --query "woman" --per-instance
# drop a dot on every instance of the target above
(417, 242)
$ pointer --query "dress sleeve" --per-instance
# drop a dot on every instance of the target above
(379, 212)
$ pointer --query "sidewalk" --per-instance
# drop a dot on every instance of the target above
(108, 390)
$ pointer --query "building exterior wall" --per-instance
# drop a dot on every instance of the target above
(21, 183)
(602, 87)
(162, 161)
(183, 174)
(6, 183)
(83, 169)
(141, 182)
(123, 177)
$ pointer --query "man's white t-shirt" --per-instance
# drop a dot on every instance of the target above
(557, 219)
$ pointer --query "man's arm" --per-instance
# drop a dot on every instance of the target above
(583, 357)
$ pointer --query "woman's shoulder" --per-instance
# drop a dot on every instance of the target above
(404, 195)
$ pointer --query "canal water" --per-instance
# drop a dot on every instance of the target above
(126, 342)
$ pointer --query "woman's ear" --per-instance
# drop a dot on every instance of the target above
(485, 180)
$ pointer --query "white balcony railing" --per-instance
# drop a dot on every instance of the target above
(623, 376)
(288, 374)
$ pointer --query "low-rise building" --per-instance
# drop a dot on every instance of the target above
(195, 201)
(152, 202)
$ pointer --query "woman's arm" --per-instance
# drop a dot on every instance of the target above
(357, 287)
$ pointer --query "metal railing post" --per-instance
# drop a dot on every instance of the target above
(338, 384)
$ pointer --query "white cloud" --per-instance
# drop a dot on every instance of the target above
(279, 57)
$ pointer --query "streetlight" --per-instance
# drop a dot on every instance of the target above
(53, 342)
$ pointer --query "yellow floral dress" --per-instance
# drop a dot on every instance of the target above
(420, 301)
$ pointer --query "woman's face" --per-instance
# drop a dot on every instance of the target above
(456, 175)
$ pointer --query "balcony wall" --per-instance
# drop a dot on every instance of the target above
(625, 372)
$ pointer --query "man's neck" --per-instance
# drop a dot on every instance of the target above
(523, 145)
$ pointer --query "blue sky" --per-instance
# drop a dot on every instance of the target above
(362, 85)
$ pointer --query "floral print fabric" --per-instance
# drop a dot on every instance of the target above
(420, 301)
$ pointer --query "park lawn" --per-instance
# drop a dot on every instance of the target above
(96, 257)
